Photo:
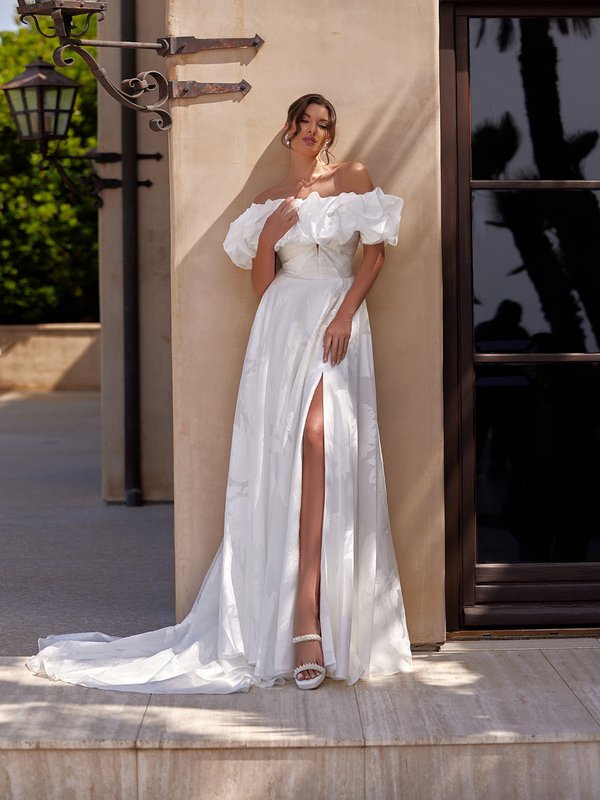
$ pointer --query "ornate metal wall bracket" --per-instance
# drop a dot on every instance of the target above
(183, 45)
(179, 89)
(148, 81)
(63, 12)
(114, 183)
(94, 184)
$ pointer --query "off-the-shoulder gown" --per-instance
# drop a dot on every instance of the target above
(239, 630)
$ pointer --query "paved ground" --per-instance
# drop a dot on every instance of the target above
(70, 562)
(482, 720)
(507, 720)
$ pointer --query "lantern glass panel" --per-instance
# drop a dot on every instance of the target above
(31, 99)
(35, 124)
(63, 124)
(22, 124)
(49, 122)
(16, 98)
(50, 98)
(66, 99)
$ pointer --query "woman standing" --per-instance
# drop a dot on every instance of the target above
(305, 581)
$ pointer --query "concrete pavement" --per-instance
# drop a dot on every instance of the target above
(69, 561)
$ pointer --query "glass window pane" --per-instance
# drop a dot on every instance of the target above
(536, 271)
(538, 463)
(31, 99)
(50, 98)
(22, 124)
(534, 97)
(63, 122)
(66, 99)
(16, 98)
(49, 122)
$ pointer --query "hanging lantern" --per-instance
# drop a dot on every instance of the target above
(41, 101)
(47, 7)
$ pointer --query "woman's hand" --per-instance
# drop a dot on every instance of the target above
(280, 221)
(285, 215)
(336, 338)
(276, 225)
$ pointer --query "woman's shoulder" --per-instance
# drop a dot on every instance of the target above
(353, 176)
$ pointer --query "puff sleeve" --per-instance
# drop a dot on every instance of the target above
(375, 215)
(241, 241)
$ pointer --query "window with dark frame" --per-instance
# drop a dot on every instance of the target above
(523, 393)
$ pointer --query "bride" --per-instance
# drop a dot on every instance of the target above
(305, 581)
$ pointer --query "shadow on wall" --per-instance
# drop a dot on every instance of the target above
(84, 372)
(391, 144)
(386, 141)
(385, 144)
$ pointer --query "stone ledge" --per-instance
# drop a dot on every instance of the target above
(479, 697)
(49, 357)
(551, 643)
(478, 724)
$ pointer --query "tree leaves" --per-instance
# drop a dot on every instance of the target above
(48, 239)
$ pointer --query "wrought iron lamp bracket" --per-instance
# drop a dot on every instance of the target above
(148, 81)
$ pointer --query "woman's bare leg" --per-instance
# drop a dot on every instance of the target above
(306, 616)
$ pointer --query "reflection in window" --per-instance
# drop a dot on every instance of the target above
(536, 271)
(538, 463)
(534, 98)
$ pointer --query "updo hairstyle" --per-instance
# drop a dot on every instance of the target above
(295, 114)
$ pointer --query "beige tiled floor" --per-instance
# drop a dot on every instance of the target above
(479, 719)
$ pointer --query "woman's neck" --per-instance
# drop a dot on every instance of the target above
(304, 169)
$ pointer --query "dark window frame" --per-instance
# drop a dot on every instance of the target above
(482, 595)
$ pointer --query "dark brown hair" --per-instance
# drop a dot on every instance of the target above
(296, 112)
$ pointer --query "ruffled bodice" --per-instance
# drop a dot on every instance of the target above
(323, 241)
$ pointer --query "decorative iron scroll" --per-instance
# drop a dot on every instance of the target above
(136, 86)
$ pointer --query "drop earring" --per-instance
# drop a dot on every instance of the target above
(286, 139)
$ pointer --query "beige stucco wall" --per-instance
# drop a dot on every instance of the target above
(154, 278)
(378, 63)
(44, 358)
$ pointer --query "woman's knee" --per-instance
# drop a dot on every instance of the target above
(314, 425)
(313, 433)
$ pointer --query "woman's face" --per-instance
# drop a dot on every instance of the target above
(314, 130)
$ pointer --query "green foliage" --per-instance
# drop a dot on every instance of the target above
(48, 237)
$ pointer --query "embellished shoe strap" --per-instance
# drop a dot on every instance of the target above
(309, 665)
(307, 637)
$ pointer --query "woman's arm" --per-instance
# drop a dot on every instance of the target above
(278, 223)
(337, 336)
(263, 264)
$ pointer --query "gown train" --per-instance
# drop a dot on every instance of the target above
(239, 631)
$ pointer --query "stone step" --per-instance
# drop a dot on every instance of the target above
(471, 722)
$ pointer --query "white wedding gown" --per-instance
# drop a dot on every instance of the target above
(239, 631)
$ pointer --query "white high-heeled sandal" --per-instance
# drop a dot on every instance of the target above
(309, 683)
